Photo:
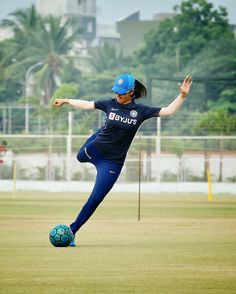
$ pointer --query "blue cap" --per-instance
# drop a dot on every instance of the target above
(123, 84)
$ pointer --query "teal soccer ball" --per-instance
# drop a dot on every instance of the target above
(60, 236)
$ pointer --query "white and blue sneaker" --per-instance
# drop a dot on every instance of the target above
(72, 243)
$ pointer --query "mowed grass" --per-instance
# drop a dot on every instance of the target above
(182, 245)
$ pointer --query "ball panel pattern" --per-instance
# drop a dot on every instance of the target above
(60, 236)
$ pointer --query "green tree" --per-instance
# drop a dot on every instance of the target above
(106, 57)
(45, 40)
(24, 20)
(10, 77)
(184, 36)
(217, 122)
(197, 41)
(96, 85)
(50, 46)
(216, 64)
(70, 73)
(228, 98)
(58, 116)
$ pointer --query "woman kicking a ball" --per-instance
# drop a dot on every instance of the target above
(106, 149)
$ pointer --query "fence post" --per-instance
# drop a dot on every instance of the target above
(14, 180)
(4, 119)
(9, 120)
(209, 185)
(158, 150)
(69, 147)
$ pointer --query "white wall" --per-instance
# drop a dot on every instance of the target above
(55, 7)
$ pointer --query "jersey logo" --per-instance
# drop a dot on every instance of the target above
(114, 109)
(133, 113)
(125, 120)
(112, 115)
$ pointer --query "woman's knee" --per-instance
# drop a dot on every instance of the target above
(81, 155)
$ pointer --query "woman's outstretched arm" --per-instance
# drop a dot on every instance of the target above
(175, 105)
(83, 104)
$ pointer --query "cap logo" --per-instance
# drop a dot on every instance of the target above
(120, 82)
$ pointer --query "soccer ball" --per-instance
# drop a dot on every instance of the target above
(60, 236)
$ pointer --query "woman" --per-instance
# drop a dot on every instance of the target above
(107, 148)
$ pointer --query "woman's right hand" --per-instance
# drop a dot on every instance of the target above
(59, 102)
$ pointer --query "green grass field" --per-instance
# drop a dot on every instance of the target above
(182, 245)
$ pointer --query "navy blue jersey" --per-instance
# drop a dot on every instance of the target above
(120, 127)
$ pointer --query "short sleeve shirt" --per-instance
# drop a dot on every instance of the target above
(120, 127)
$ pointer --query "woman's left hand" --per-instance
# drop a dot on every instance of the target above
(185, 86)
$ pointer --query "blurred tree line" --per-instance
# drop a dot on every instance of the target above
(199, 41)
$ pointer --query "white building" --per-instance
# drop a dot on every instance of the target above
(67, 7)
(6, 33)
(82, 13)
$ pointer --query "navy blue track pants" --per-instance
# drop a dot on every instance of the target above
(107, 174)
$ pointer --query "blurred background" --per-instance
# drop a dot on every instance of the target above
(76, 48)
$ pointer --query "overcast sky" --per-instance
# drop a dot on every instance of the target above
(110, 11)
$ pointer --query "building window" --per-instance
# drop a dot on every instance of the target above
(90, 27)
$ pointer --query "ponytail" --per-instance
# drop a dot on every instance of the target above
(139, 90)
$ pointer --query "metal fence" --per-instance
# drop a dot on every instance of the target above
(153, 158)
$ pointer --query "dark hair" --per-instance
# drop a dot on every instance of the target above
(139, 90)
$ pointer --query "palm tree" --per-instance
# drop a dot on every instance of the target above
(22, 22)
(51, 45)
(45, 40)
(106, 57)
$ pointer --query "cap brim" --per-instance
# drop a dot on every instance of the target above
(119, 90)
